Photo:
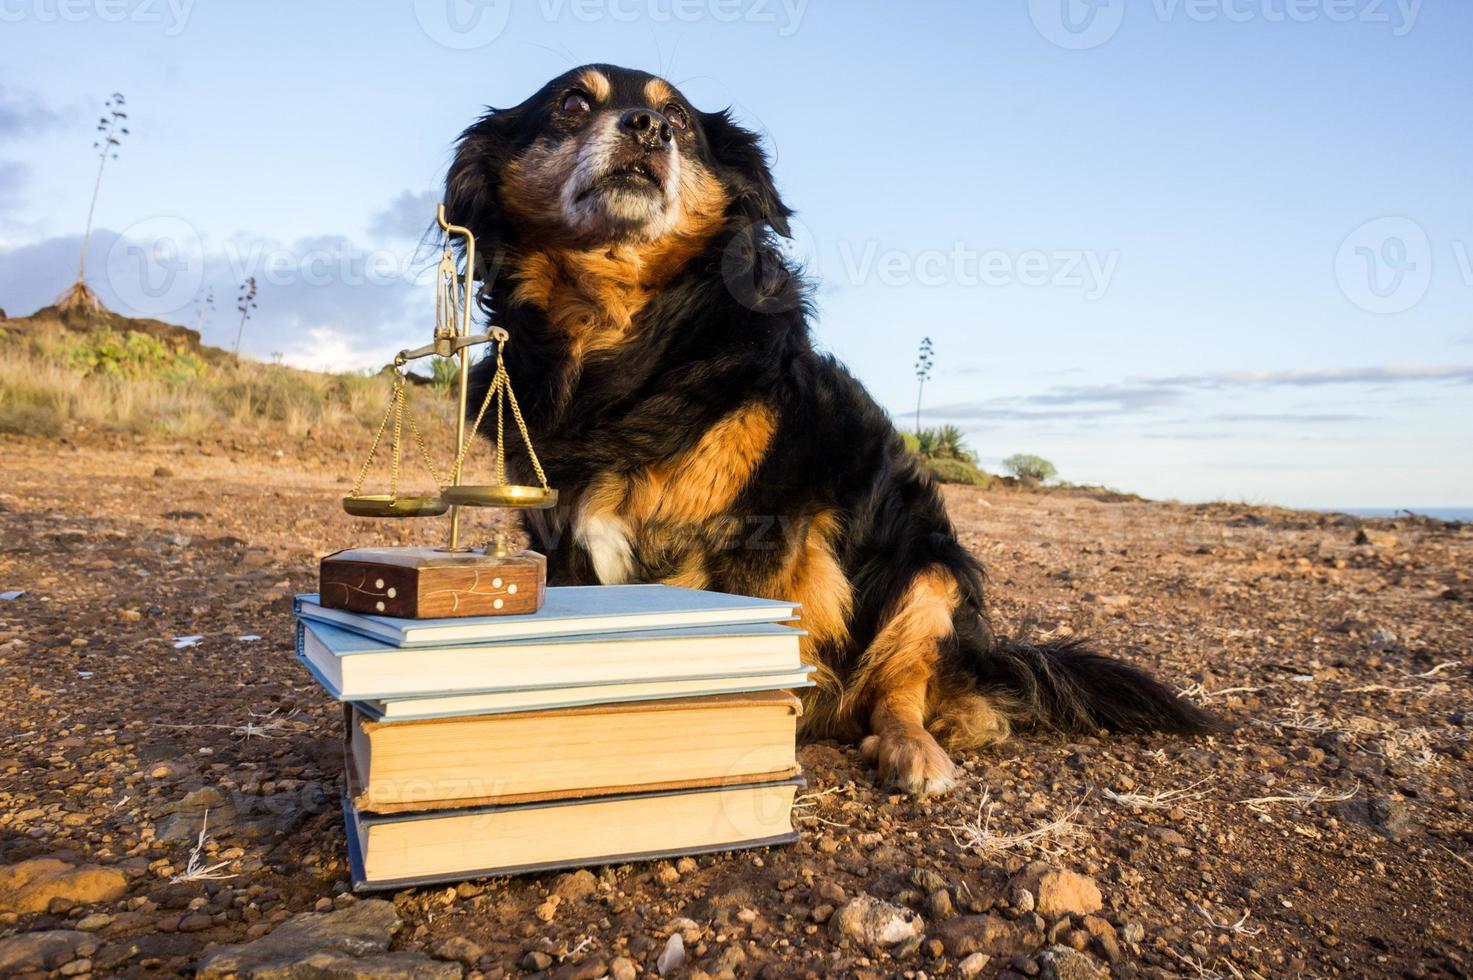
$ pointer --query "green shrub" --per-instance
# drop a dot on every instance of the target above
(1030, 468)
(131, 355)
(949, 470)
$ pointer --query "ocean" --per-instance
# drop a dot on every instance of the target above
(1441, 513)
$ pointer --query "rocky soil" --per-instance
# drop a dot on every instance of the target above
(169, 773)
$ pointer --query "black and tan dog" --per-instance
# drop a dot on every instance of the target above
(662, 355)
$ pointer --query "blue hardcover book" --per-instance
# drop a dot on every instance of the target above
(567, 611)
(752, 656)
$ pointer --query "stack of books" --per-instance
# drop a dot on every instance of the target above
(617, 723)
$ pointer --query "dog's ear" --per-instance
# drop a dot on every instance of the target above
(739, 153)
(473, 183)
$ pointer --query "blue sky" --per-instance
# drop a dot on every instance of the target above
(1202, 249)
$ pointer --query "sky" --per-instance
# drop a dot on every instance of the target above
(1194, 249)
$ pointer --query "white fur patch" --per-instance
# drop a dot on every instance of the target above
(606, 538)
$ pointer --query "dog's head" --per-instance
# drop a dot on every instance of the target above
(604, 156)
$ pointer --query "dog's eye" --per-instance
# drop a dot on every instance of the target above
(576, 103)
(676, 115)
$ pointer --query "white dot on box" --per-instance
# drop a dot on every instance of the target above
(378, 583)
(511, 589)
(379, 606)
(496, 583)
(393, 592)
(497, 604)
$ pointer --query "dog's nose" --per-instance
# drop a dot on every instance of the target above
(647, 127)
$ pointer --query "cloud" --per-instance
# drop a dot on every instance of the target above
(1392, 374)
(1142, 395)
(23, 114)
(1289, 418)
(409, 215)
(13, 177)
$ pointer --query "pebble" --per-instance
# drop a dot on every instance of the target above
(973, 964)
(875, 924)
(672, 957)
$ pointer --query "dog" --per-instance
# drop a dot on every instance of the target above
(660, 345)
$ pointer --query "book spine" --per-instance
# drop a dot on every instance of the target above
(301, 640)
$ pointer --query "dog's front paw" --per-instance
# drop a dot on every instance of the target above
(909, 759)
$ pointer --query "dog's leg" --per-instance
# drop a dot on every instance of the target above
(894, 677)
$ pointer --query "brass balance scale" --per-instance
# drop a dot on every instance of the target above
(421, 583)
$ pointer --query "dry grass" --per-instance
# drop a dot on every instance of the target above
(811, 801)
(1239, 927)
(52, 382)
(1166, 799)
(196, 869)
(1302, 799)
(1054, 838)
(1201, 695)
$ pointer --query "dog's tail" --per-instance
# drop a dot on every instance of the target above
(1066, 687)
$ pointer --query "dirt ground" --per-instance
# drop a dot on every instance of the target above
(147, 679)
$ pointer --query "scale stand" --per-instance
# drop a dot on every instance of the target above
(424, 582)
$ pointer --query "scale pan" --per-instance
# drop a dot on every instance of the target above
(500, 495)
(383, 505)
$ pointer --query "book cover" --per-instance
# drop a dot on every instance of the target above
(568, 611)
(352, 667)
(599, 750)
(398, 710)
(409, 850)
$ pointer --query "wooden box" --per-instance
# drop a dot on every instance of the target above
(429, 583)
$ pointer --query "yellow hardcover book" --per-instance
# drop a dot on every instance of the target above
(595, 750)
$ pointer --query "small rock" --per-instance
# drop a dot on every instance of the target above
(592, 968)
(973, 964)
(672, 957)
(938, 905)
(1063, 963)
(576, 886)
(31, 886)
(547, 911)
(666, 874)
(686, 865)
(1376, 539)
(95, 921)
(1057, 892)
(459, 949)
(830, 892)
(45, 950)
(350, 942)
(732, 959)
(1381, 814)
(927, 880)
(1133, 932)
(622, 968)
(990, 934)
(535, 961)
(876, 925)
